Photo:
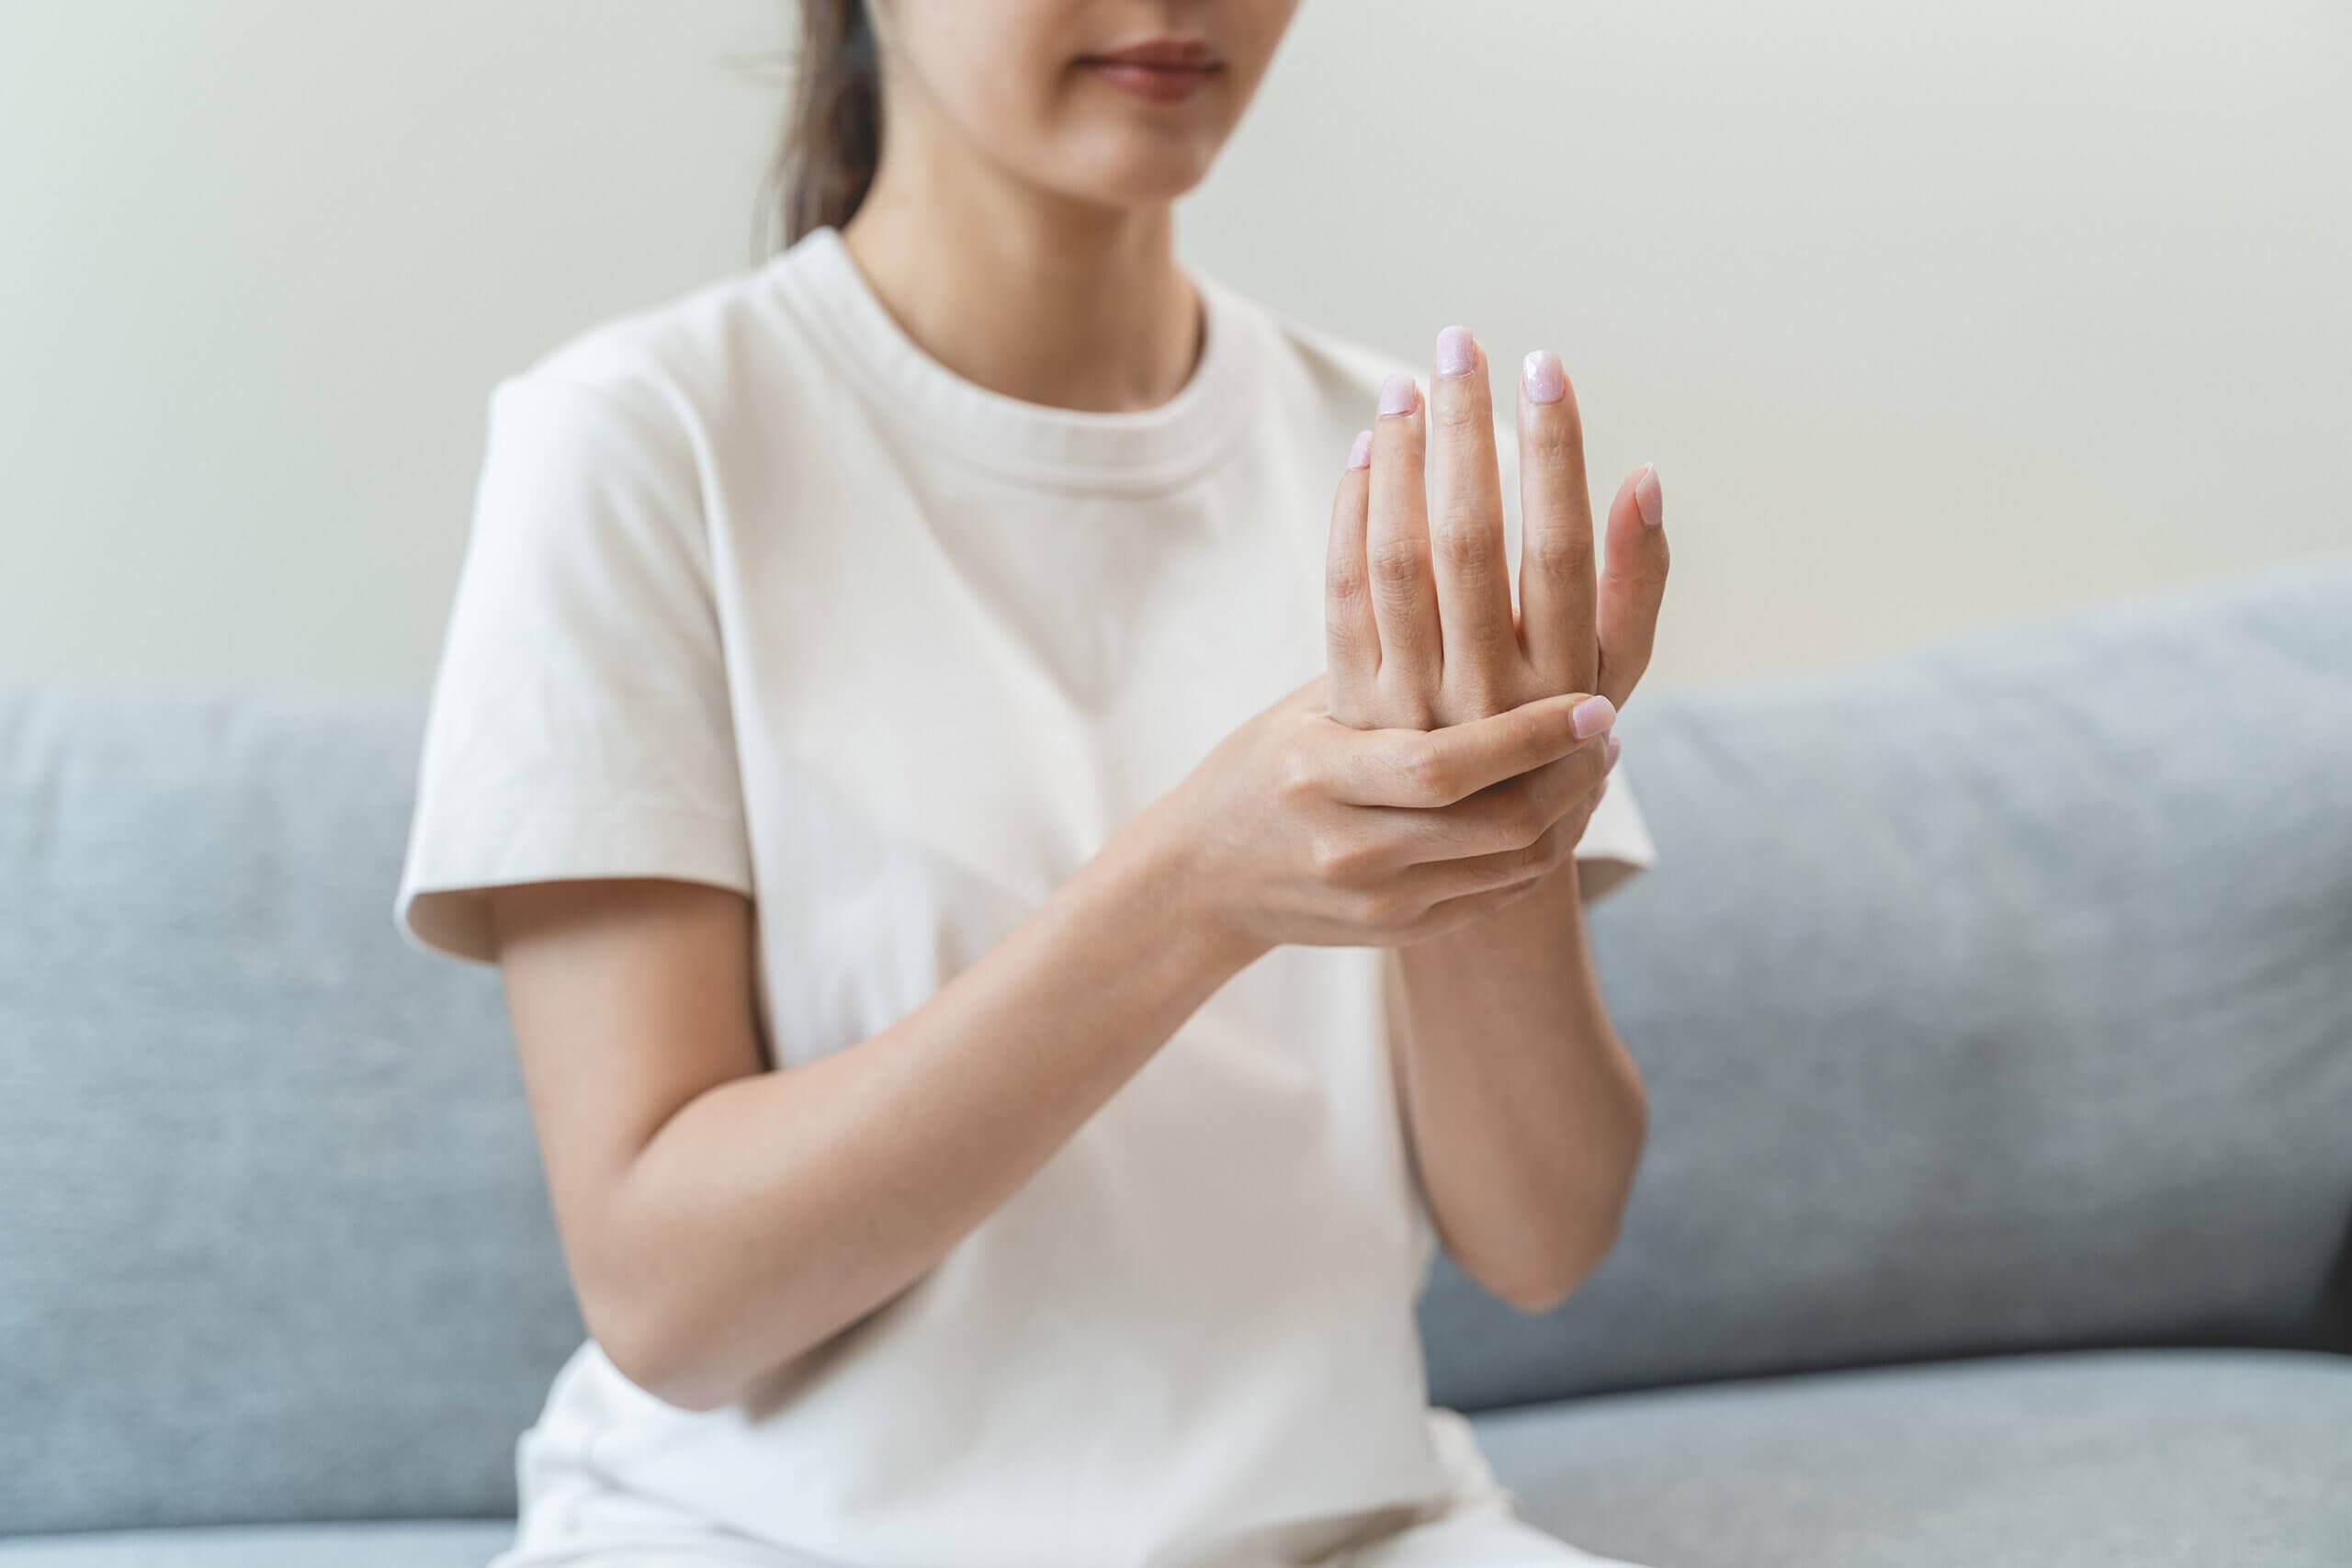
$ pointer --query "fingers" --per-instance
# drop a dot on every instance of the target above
(1472, 566)
(1556, 579)
(1397, 544)
(1350, 633)
(1437, 880)
(1426, 769)
(1506, 817)
(1632, 583)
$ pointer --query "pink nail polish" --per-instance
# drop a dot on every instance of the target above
(1590, 716)
(1398, 394)
(1542, 377)
(1612, 747)
(1650, 497)
(1360, 454)
(1456, 352)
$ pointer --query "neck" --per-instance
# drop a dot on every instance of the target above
(1040, 297)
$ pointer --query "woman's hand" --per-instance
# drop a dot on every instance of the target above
(1300, 829)
(1417, 603)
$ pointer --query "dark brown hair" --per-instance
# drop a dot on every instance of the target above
(834, 136)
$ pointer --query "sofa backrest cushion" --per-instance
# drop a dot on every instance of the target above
(1992, 998)
(272, 1239)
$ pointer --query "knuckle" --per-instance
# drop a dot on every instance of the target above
(1386, 912)
(1467, 543)
(1428, 771)
(1526, 867)
(1558, 437)
(1522, 819)
(1557, 552)
(1298, 777)
(1343, 583)
(1457, 417)
(1397, 566)
(1554, 848)
(1339, 861)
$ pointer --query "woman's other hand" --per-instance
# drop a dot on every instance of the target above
(1300, 829)
(1417, 604)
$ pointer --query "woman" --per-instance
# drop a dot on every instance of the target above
(998, 1096)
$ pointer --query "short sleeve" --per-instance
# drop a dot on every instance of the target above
(580, 724)
(1616, 832)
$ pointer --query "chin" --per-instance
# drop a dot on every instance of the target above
(1139, 175)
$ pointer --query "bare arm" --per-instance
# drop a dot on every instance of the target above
(719, 1218)
(1526, 1113)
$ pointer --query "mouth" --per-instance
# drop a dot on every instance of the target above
(1164, 70)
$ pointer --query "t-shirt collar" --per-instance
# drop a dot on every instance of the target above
(1151, 448)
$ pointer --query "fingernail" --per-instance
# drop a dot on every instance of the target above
(1360, 454)
(1590, 716)
(1542, 376)
(1398, 394)
(1650, 497)
(1611, 747)
(1456, 353)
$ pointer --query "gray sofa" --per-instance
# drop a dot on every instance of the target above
(1995, 1003)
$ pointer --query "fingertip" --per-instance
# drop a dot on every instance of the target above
(1542, 378)
(1360, 454)
(1592, 716)
(1457, 352)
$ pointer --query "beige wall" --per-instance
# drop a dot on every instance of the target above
(1930, 312)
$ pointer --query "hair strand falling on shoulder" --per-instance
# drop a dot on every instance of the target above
(833, 137)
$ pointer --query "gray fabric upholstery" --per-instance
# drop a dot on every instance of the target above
(467, 1543)
(275, 1244)
(1988, 999)
(2163, 1459)
(1994, 998)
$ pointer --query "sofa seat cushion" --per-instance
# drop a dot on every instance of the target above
(454, 1544)
(2157, 1459)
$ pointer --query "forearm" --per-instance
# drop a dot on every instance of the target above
(1526, 1113)
(776, 1210)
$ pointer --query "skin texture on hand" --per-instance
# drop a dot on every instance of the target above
(1526, 1114)
(1297, 829)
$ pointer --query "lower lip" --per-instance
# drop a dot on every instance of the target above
(1160, 83)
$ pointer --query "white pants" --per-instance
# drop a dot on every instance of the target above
(1483, 1533)
(596, 1526)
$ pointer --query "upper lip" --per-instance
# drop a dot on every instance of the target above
(1161, 54)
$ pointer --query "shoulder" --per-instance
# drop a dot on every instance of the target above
(673, 375)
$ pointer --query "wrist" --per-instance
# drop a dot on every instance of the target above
(1164, 877)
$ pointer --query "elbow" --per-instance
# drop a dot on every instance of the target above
(1549, 1269)
(650, 1353)
(653, 1335)
(677, 1346)
(1538, 1284)
(657, 1359)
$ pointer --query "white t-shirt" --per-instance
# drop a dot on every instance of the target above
(759, 595)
